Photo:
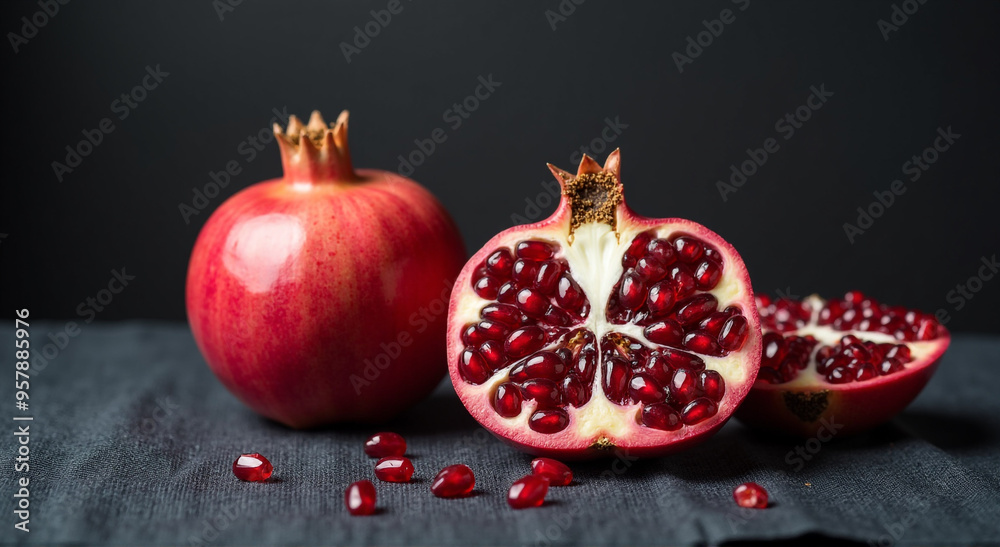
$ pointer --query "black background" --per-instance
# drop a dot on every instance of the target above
(605, 60)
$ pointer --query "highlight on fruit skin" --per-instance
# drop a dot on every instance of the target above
(841, 366)
(308, 295)
(598, 331)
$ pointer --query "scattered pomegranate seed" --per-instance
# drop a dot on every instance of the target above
(750, 495)
(252, 468)
(454, 481)
(558, 473)
(394, 469)
(385, 444)
(528, 492)
(360, 498)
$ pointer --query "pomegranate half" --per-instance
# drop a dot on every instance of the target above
(320, 297)
(841, 366)
(598, 328)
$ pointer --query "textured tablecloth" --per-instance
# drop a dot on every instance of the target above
(133, 440)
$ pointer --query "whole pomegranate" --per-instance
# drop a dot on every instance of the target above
(319, 297)
(840, 366)
(598, 328)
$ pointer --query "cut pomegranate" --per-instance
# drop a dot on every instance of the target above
(252, 468)
(750, 495)
(454, 481)
(385, 444)
(528, 492)
(606, 329)
(360, 498)
(558, 473)
(394, 469)
(852, 362)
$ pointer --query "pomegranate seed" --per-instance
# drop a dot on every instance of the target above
(544, 364)
(534, 250)
(661, 416)
(683, 387)
(617, 374)
(507, 400)
(698, 411)
(680, 359)
(576, 393)
(667, 332)
(472, 367)
(750, 495)
(684, 282)
(839, 375)
(549, 421)
(927, 330)
(394, 469)
(525, 272)
(548, 277)
(499, 263)
(890, 365)
(702, 342)
(734, 333)
(854, 297)
(865, 372)
(507, 293)
(252, 468)
(532, 303)
(360, 498)
(454, 481)
(586, 363)
(714, 322)
(658, 368)
(636, 249)
(524, 341)
(528, 492)
(569, 296)
(504, 314)
(707, 275)
(385, 444)
(487, 287)
(558, 473)
(662, 251)
(696, 308)
(774, 350)
(555, 316)
(661, 299)
(492, 353)
(650, 269)
(631, 294)
(645, 388)
(711, 385)
(688, 249)
(545, 392)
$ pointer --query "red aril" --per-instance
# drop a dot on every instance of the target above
(454, 481)
(252, 468)
(528, 492)
(847, 364)
(360, 498)
(316, 297)
(608, 329)
(385, 444)
(394, 469)
(750, 495)
(558, 473)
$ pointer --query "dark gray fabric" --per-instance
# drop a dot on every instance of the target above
(133, 441)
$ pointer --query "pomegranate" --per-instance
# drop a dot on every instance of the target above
(750, 495)
(558, 473)
(528, 492)
(252, 468)
(454, 481)
(599, 328)
(385, 444)
(319, 297)
(360, 498)
(845, 365)
(394, 469)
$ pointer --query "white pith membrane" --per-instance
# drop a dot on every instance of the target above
(593, 256)
(921, 334)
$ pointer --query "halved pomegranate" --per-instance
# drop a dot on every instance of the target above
(598, 328)
(845, 365)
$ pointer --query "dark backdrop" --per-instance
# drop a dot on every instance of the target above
(566, 71)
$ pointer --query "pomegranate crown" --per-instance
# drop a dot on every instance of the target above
(315, 152)
(594, 193)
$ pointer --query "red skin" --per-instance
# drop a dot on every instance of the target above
(851, 408)
(291, 288)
